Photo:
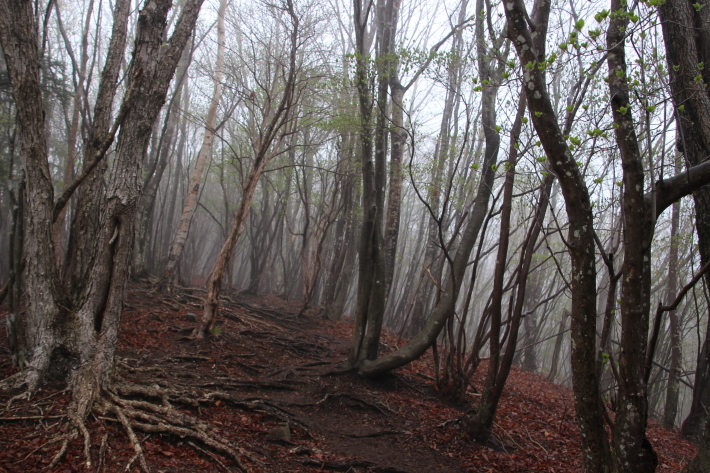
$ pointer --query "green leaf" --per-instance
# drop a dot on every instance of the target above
(579, 24)
(598, 180)
(601, 16)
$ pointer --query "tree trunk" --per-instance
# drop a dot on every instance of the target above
(685, 53)
(701, 462)
(631, 450)
(77, 342)
(371, 276)
(580, 239)
(343, 253)
(558, 346)
(193, 191)
(154, 174)
(670, 409)
(84, 226)
(266, 146)
(164, 245)
(214, 283)
(77, 105)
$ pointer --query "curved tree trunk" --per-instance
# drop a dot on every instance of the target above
(214, 283)
(266, 147)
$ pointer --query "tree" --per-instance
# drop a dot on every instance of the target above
(631, 451)
(72, 335)
(266, 144)
(371, 287)
(685, 54)
(193, 190)
(368, 364)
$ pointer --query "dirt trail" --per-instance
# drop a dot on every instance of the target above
(262, 382)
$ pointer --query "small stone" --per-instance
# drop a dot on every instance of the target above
(155, 318)
(280, 433)
(191, 317)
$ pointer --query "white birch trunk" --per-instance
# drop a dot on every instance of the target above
(193, 191)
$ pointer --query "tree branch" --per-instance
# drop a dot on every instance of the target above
(671, 189)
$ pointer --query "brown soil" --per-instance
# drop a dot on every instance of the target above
(273, 371)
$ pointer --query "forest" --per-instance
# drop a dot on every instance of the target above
(466, 192)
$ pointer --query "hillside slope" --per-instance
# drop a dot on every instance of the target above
(264, 383)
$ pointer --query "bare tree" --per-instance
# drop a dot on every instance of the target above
(631, 451)
(73, 336)
(267, 143)
(193, 190)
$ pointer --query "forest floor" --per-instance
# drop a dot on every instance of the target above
(274, 368)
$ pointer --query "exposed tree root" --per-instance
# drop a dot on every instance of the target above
(349, 466)
(209, 454)
(135, 443)
(258, 405)
(163, 418)
(150, 409)
(27, 379)
(102, 453)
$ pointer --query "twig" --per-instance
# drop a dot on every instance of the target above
(60, 454)
(20, 418)
(41, 447)
(209, 454)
